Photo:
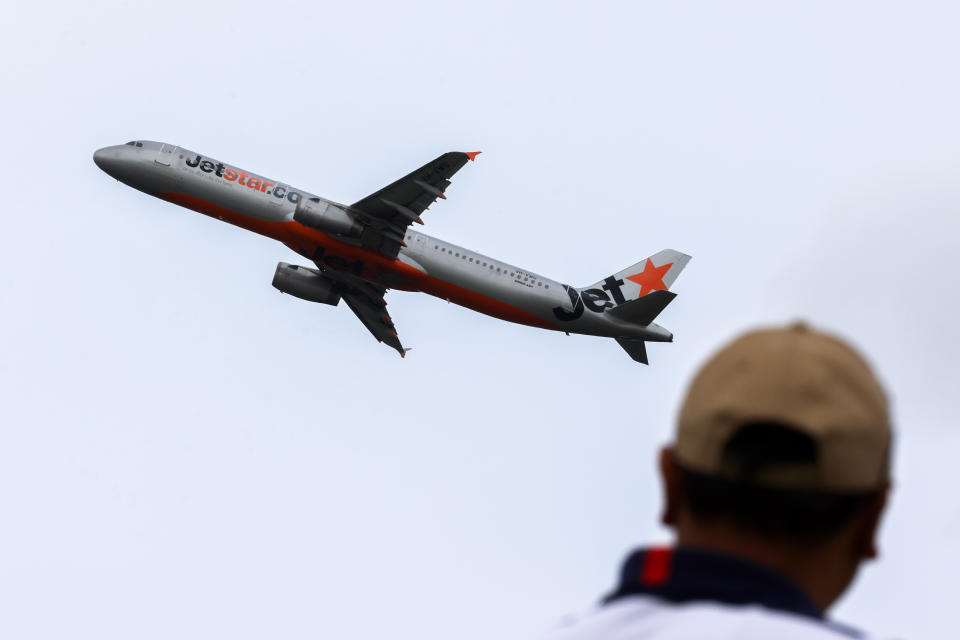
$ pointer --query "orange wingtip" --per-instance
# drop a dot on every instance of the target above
(473, 155)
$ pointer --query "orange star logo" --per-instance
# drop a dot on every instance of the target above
(651, 279)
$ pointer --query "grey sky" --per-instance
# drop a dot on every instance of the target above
(186, 453)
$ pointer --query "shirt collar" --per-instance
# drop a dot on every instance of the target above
(685, 574)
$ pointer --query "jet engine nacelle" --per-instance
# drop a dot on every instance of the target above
(324, 216)
(306, 284)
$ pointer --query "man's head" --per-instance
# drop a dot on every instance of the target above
(782, 455)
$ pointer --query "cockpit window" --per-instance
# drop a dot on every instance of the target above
(134, 143)
(131, 143)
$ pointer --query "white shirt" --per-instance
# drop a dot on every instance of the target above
(691, 594)
(649, 618)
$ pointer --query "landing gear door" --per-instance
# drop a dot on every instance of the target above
(165, 155)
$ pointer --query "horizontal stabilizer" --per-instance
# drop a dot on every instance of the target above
(636, 349)
(643, 311)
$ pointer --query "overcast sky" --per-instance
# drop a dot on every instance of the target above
(186, 453)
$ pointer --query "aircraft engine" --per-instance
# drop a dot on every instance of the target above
(306, 284)
(324, 216)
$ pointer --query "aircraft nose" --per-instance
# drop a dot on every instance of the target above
(108, 159)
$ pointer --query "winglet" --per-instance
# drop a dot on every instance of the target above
(473, 155)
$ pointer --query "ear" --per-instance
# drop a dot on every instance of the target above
(867, 543)
(672, 486)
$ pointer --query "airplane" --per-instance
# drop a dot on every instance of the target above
(361, 250)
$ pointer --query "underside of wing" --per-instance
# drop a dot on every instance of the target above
(387, 213)
(368, 303)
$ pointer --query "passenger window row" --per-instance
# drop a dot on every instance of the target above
(492, 267)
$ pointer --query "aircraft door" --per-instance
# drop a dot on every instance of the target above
(420, 243)
(165, 155)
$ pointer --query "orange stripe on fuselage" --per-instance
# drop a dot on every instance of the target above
(394, 274)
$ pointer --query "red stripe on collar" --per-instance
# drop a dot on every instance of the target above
(657, 562)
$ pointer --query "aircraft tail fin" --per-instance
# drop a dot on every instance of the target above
(656, 273)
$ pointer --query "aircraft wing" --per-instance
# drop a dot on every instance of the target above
(387, 213)
(367, 301)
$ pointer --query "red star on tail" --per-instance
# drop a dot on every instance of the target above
(651, 279)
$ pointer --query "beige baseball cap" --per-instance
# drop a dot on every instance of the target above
(799, 378)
